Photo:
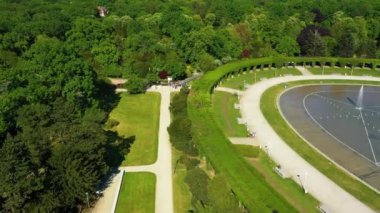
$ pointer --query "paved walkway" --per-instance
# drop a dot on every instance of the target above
(229, 90)
(303, 70)
(331, 196)
(162, 168)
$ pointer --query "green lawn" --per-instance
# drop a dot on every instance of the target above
(273, 116)
(226, 115)
(286, 187)
(344, 71)
(139, 116)
(292, 192)
(249, 77)
(181, 191)
(247, 150)
(137, 193)
(248, 184)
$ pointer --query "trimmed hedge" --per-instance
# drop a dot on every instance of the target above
(245, 181)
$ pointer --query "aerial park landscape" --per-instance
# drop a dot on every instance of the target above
(189, 106)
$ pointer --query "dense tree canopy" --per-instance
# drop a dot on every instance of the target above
(53, 149)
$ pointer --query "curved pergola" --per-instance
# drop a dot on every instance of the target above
(246, 182)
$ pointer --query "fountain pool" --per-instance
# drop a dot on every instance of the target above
(341, 121)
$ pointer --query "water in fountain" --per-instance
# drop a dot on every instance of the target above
(359, 102)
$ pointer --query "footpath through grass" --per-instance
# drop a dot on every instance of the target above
(226, 115)
(137, 193)
(344, 71)
(138, 117)
(237, 82)
(273, 116)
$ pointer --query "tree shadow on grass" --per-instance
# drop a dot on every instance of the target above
(117, 147)
(106, 95)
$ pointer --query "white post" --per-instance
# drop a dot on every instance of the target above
(305, 183)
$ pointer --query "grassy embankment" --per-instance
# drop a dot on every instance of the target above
(273, 116)
(344, 71)
(251, 77)
(249, 184)
(137, 193)
(286, 187)
(138, 116)
(226, 115)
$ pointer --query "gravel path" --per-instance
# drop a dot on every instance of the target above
(162, 168)
(229, 90)
(332, 197)
(303, 70)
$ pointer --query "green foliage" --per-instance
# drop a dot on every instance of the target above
(178, 105)
(51, 54)
(288, 47)
(221, 197)
(247, 150)
(189, 162)
(198, 181)
(135, 85)
(180, 128)
(111, 123)
(180, 135)
(315, 45)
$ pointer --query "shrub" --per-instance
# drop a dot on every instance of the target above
(197, 180)
(190, 163)
(135, 85)
(178, 106)
(111, 123)
(180, 135)
(220, 196)
(163, 74)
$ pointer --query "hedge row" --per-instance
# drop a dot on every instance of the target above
(246, 182)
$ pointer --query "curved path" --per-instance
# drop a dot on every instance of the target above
(162, 168)
(332, 197)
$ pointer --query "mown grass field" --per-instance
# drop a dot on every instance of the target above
(226, 115)
(273, 116)
(139, 117)
(247, 150)
(344, 71)
(137, 193)
(237, 81)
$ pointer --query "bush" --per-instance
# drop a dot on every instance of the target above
(135, 85)
(111, 123)
(220, 196)
(180, 136)
(113, 71)
(197, 180)
(178, 106)
(190, 163)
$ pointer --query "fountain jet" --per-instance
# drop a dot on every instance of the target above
(359, 102)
